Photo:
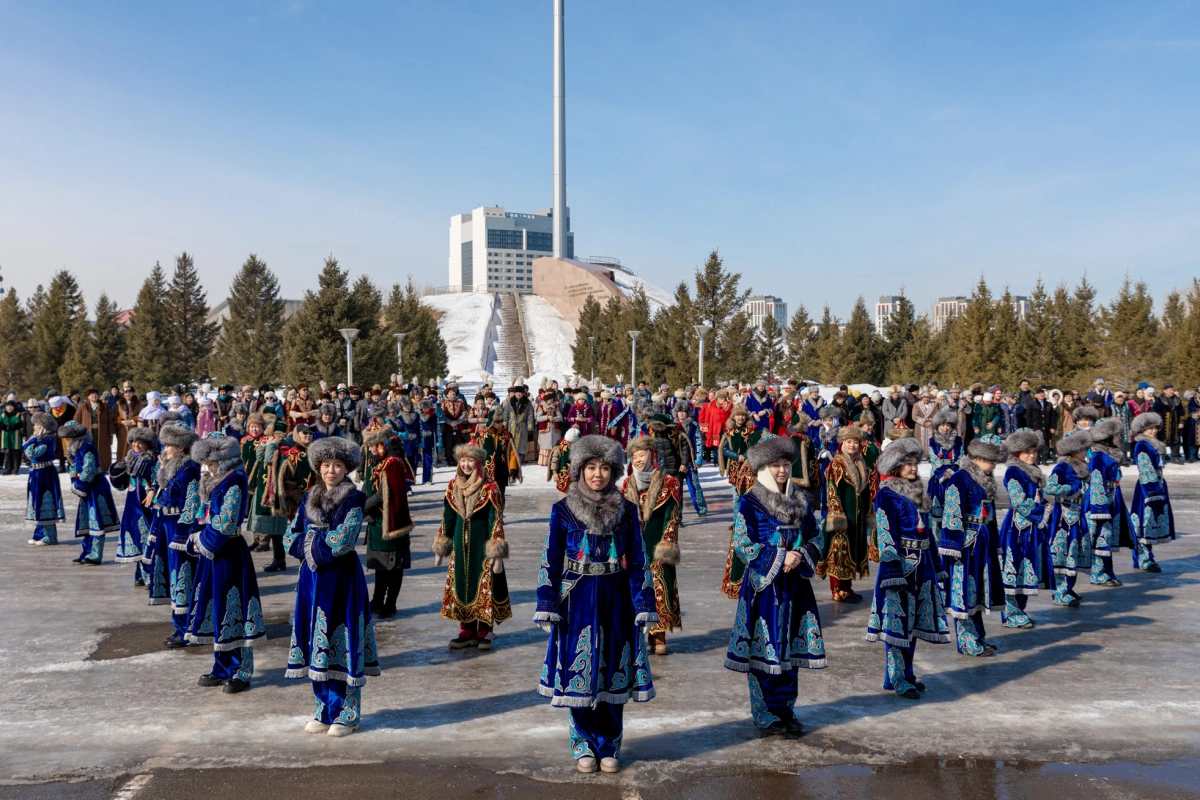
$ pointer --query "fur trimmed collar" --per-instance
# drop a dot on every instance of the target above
(913, 490)
(1154, 442)
(1035, 473)
(168, 469)
(1115, 453)
(322, 502)
(599, 512)
(327, 430)
(828, 434)
(856, 470)
(238, 425)
(209, 481)
(789, 510)
(1078, 465)
(946, 440)
(985, 481)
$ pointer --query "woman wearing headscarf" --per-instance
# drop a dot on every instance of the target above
(151, 413)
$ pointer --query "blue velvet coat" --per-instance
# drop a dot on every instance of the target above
(43, 497)
(1025, 562)
(1108, 525)
(969, 541)
(597, 591)
(97, 513)
(177, 514)
(1064, 492)
(1151, 515)
(134, 475)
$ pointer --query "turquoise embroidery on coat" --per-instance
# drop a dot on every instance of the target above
(296, 657)
(226, 521)
(339, 643)
(883, 533)
(893, 613)
(341, 540)
(582, 682)
(952, 510)
(320, 641)
(233, 623)
(255, 626)
(747, 549)
(760, 645)
(191, 504)
(741, 633)
(925, 610)
(620, 679)
(181, 585)
(812, 634)
(87, 473)
(641, 670)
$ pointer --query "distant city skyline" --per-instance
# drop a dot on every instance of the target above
(907, 145)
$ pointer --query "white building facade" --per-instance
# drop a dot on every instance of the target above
(762, 306)
(492, 250)
(883, 311)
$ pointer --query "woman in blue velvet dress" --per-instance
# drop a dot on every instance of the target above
(226, 611)
(595, 597)
(97, 515)
(1070, 545)
(968, 544)
(134, 475)
(1104, 507)
(170, 564)
(333, 635)
(777, 629)
(1025, 564)
(1150, 513)
(44, 503)
(945, 449)
(907, 605)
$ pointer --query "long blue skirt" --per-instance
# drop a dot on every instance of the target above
(333, 635)
(226, 611)
(44, 502)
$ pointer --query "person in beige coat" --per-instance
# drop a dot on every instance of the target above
(923, 413)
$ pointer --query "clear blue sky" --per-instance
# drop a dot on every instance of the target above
(827, 149)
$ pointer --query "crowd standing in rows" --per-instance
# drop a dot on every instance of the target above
(819, 489)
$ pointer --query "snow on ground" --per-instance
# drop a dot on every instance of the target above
(627, 283)
(550, 338)
(468, 326)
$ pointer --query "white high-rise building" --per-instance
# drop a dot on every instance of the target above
(946, 308)
(883, 311)
(1021, 305)
(762, 306)
(492, 250)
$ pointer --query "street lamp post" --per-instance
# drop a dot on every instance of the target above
(633, 360)
(349, 334)
(400, 353)
(592, 359)
(702, 331)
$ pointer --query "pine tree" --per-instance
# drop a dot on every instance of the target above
(190, 336)
(897, 338)
(1036, 343)
(55, 314)
(250, 343)
(1078, 336)
(312, 347)
(15, 352)
(666, 344)
(616, 351)
(1171, 349)
(109, 340)
(81, 368)
(972, 346)
(827, 349)
(769, 345)
(860, 348)
(1186, 364)
(921, 359)
(799, 336)
(147, 342)
(591, 318)
(424, 350)
(718, 298)
(1129, 350)
(1008, 366)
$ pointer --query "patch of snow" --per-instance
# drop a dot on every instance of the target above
(550, 337)
(627, 283)
(468, 326)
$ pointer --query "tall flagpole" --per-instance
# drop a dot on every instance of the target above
(560, 135)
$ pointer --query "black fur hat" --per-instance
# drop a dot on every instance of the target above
(768, 451)
(331, 447)
(591, 447)
(1021, 440)
(896, 454)
(71, 430)
(1141, 422)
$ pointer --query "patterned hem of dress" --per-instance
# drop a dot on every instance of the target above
(1065, 571)
(1103, 553)
(894, 641)
(181, 546)
(48, 521)
(112, 528)
(1021, 592)
(237, 644)
(82, 532)
(564, 701)
(1156, 540)
(775, 669)
(893, 583)
(159, 601)
(180, 610)
(325, 677)
(970, 612)
(950, 552)
(933, 638)
(128, 559)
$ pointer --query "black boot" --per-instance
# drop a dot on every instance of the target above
(395, 579)
(378, 592)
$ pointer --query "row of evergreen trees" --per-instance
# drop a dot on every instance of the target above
(49, 342)
(1067, 339)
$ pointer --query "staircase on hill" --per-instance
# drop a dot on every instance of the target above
(512, 349)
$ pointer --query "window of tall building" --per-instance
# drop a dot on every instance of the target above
(468, 272)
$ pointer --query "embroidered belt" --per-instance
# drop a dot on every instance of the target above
(914, 544)
(974, 520)
(171, 511)
(604, 568)
(1111, 484)
(39, 464)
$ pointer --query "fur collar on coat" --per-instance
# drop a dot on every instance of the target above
(985, 481)
(599, 512)
(321, 502)
(1034, 472)
(913, 491)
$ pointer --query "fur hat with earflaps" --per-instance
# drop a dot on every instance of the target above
(828, 412)
(593, 447)
(865, 418)
(327, 408)
(143, 435)
(851, 432)
(896, 454)
(945, 417)
(988, 447)
(639, 444)
(213, 447)
(1144, 421)
(1085, 412)
(178, 436)
(330, 447)
(1106, 429)
(1021, 440)
(800, 423)
(471, 451)
(376, 436)
(44, 421)
(768, 451)
(1076, 441)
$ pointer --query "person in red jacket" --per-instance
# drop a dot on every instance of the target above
(716, 413)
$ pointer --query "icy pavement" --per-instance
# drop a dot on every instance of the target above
(92, 694)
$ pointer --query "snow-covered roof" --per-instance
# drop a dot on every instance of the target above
(657, 297)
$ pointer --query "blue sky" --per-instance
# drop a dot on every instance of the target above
(828, 149)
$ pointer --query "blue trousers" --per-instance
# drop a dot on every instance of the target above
(772, 697)
(697, 493)
(969, 635)
(1143, 554)
(427, 466)
(337, 702)
(46, 533)
(1064, 589)
(898, 674)
(230, 664)
(1013, 615)
(597, 732)
(183, 575)
(93, 547)
(1102, 569)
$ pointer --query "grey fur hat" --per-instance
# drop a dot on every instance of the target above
(1085, 412)
(168, 417)
(830, 411)
(896, 454)
(71, 430)
(327, 408)
(800, 422)
(683, 405)
(426, 404)
(214, 447)
(1021, 440)
(945, 417)
(1106, 429)
(768, 451)
(1074, 442)
(593, 446)
(46, 421)
(143, 435)
(176, 435)
(239, 408)
(987, 447)
(331, 447)
(1147, 419)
